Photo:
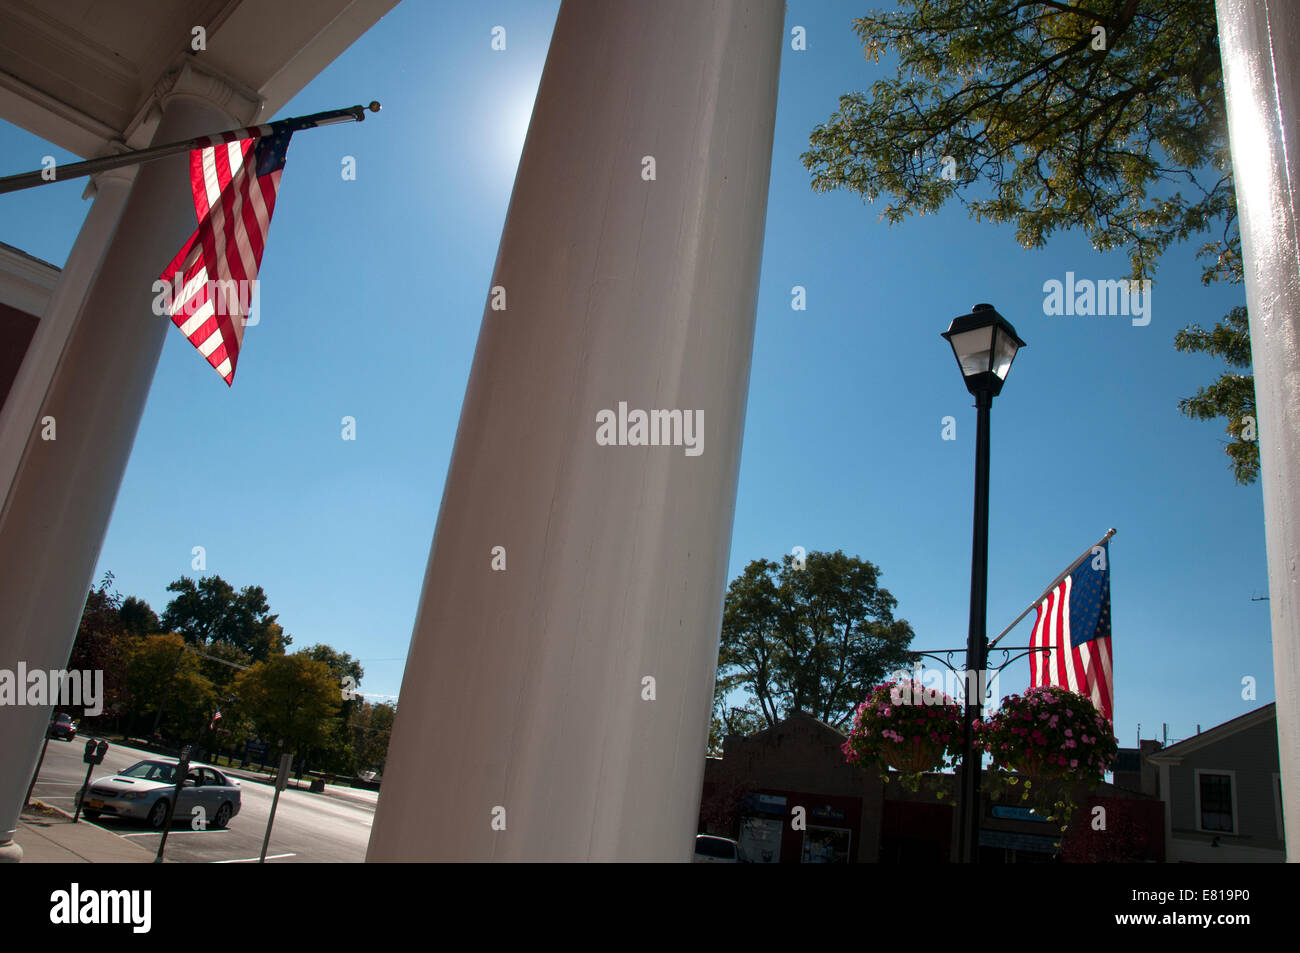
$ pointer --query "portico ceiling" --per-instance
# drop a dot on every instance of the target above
(82, 74)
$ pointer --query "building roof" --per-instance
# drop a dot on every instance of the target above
(1176, 752)
(794, 717)
(11, 250)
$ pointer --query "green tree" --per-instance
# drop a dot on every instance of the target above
(223, 675)
(1101, 115)
(1232, 395)
(101, 645)
(370, 729)
(210, 611)
(729, 719)
(137, 618)
(339, 753)
(341, 664)
(292, 698)
(813, 637)
(163, 676)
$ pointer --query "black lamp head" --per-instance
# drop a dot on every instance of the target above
(984, 344)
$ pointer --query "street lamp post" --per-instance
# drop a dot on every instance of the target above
(984, 344)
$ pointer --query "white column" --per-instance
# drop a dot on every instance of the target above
(525, 698)
(42, 358)
(1259, 41)
(58, 506)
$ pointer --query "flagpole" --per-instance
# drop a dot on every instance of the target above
(76, 170)
(1072, 567)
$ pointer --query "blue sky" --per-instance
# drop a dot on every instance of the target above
(372, 294)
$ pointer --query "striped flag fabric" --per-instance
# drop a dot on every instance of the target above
(1074, 620)
(235, 180)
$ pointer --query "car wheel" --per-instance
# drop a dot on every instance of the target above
(158, 816)
(90, 815)
(223, 816)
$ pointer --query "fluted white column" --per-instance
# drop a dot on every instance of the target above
(58, 506)
(1259, 41)
(556, 699)
(42, 358)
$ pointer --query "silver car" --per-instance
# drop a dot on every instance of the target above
(144, 791)
(717, 850)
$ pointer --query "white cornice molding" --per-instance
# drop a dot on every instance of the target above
(31, 108)
(193, 81)
(26, 283)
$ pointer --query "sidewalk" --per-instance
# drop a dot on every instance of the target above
(358, 795)
(48, 836)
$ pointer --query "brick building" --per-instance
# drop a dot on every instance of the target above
(854, 815)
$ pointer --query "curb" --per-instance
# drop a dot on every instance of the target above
(59, 810)
(331, 790)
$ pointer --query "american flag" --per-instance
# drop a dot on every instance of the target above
(235, 179)
(1074, 618)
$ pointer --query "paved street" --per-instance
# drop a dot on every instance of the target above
(317, 828)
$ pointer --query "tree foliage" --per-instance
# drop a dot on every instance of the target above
(212, 612)
(341, 664)
(223, 676)
(137, 618)
(1232, 395)
(102, 642)
(162, 674)
(290, 698)
(1101, 115)
(370, 729)
(811, 638)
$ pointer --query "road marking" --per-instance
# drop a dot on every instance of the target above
(253, 860)
(174, 833)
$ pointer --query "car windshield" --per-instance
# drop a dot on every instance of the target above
(152, 771)
(714, 847)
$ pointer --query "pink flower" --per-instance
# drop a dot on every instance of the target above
(1074, 764)
(1069, 733)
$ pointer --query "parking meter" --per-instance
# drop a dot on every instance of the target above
(95, 751)
(182, 769)
(93, 755)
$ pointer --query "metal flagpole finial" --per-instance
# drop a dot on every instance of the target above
(374, 106)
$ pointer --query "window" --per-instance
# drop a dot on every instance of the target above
(826, 845)
(1215, 802)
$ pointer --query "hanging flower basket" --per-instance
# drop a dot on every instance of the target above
(1038, 768)
(1052, 738)
(912, 757)
(907, 727)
